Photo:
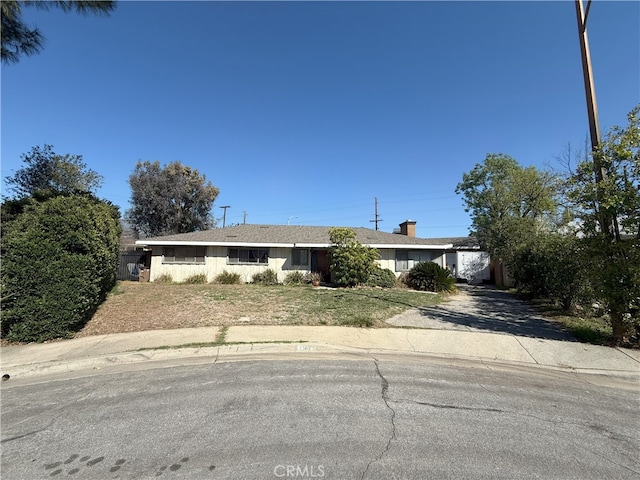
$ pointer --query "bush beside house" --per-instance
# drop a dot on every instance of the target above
(431, 277)
(351, 262)
(382, 277)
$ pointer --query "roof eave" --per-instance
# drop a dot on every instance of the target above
(412, 246)
(188, 243)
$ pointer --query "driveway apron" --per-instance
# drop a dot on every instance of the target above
(480, 308)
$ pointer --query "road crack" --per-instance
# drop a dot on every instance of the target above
(452, 407)
(620, 437)
(385, 398)
(17, 437)
(525, 349)
(413, 347)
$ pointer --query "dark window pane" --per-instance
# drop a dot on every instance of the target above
(299, 256)
(184, 254)
(248, 255)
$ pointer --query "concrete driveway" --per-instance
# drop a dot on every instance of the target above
(483, 308)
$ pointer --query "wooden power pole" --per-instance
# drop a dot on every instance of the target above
(377, 217)
(608, 224)
(224, 215)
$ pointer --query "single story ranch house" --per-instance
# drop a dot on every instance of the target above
(250, 249)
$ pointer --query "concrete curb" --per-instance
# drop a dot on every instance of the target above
(497, 349)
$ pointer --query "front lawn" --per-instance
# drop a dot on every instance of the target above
(133, 306)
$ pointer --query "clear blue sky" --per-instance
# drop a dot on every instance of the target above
(303, 112)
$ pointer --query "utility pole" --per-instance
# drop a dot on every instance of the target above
(377, 219)
(224, 215)
(244, 217)
(608, 225)
(589, 88)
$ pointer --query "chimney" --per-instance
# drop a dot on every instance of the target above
(408, 228)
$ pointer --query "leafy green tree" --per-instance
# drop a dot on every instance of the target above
(617, 196)
(48, 174)
(173, 199)
(19, 39)
(614, 273)
(60, 258)
(508, 203)
(351, 262)
(608, 214)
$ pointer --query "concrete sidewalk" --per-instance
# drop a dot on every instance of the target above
(99, 351)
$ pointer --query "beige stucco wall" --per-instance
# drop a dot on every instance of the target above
(388, 259)
(279, 261)
(216, 263)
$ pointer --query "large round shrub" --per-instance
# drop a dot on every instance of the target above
(382, 277)
(351, 262)
(431, 277)
(60, 259)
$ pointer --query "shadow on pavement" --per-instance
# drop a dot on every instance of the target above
(490, 309)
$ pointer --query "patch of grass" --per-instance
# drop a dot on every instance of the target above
(165, 278)
(368, 307)
(590, 330)
(268, 277)
(222, 335)
(358, 321)
(594, 330)
(196, 279)
(117, 289)
(586, 329)
(227, 278)
(294, 278)
(216, 344)
(165, 306)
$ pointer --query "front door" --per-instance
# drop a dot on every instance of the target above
(320, 262)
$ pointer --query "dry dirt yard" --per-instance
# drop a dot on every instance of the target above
(134, 307)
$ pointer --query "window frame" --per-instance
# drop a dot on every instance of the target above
(184, 254)
(259, 254)
(412, 257)
(298, 252)
(405, 254)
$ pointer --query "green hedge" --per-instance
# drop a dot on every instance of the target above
(60, 259)
(382, 277)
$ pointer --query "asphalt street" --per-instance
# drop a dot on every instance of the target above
(339, 419)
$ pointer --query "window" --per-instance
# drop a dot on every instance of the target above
(407, 259)
(402, 260)
(183, 254)
(299, 256)
(248, 255)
